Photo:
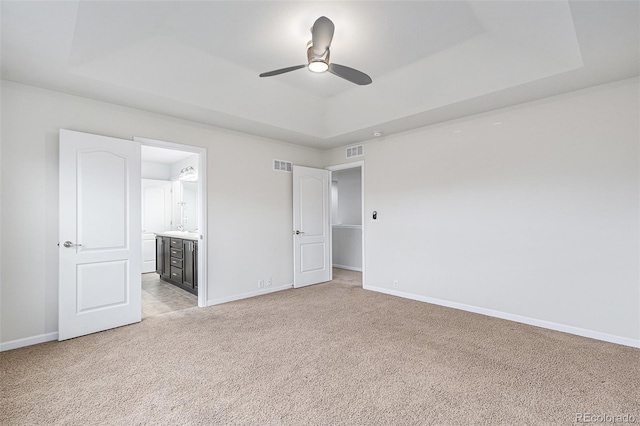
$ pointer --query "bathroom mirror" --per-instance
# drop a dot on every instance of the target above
(184, 215)
(189, 214)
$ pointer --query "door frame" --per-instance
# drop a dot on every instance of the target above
(346, 166)
(202, 211)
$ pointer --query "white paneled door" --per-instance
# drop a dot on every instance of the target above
(148, 253)
(156, 217)
(311, 226)
(100, 245)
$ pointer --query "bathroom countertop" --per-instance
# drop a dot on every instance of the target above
(180, 234)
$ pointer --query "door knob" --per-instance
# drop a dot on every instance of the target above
(70, 244)
(298, 232)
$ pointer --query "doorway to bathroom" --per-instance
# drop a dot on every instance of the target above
(173, 235)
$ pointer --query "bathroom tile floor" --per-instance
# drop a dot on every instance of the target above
(160, 297)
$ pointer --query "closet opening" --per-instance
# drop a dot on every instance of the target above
(347, 231)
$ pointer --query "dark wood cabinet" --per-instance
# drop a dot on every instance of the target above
(177, 262)
(166, 257)
(159, 255)
(189, 261)
(163, 256)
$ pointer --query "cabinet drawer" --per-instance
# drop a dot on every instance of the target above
(176, 243)
(176, 253)
(176, 274)
(176, 262)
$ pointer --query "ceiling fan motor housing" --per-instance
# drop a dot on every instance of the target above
(324, 58)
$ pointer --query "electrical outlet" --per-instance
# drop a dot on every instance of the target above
(260, 283)
(269, 282)
(395, 283)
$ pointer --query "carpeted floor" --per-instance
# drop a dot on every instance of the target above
(328, 354)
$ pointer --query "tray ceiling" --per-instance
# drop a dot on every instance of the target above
(430, 61)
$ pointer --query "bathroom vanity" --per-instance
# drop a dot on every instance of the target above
(177, 259)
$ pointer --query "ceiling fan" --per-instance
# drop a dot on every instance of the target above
(318, 56)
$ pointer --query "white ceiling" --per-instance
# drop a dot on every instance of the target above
(430, 61)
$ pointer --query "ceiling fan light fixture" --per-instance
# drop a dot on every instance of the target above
(318, 66)
(318, 52)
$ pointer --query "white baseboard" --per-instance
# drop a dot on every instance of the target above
(247, 295)
(28, 341)
(349, 268)
(634, 343)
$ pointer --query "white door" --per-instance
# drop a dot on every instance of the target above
(311, 226)
(148, 252)
(156, 217)
(100, 253)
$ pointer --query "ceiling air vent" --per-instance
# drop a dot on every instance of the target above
(282, 166)
(355, 151)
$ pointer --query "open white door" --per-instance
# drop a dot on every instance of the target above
(311, 226)
(156, 217)
(100, 245)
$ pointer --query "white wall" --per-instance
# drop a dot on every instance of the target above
(536, 218)
(249, 205)
(347, 247)
(158, 171)
(349, 195)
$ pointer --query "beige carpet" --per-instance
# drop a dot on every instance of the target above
(323, 355)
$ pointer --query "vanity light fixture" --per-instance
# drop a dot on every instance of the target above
(188, 174)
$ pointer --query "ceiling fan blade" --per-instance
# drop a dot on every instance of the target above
(281, 71)
(321, 35)
(354, 76)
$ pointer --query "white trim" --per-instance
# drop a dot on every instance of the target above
(28, 341)
(202, 217)
(353, 165)
(597, 335)
(248, 295)
(347, 226)
(348, 268)
(345, 166)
